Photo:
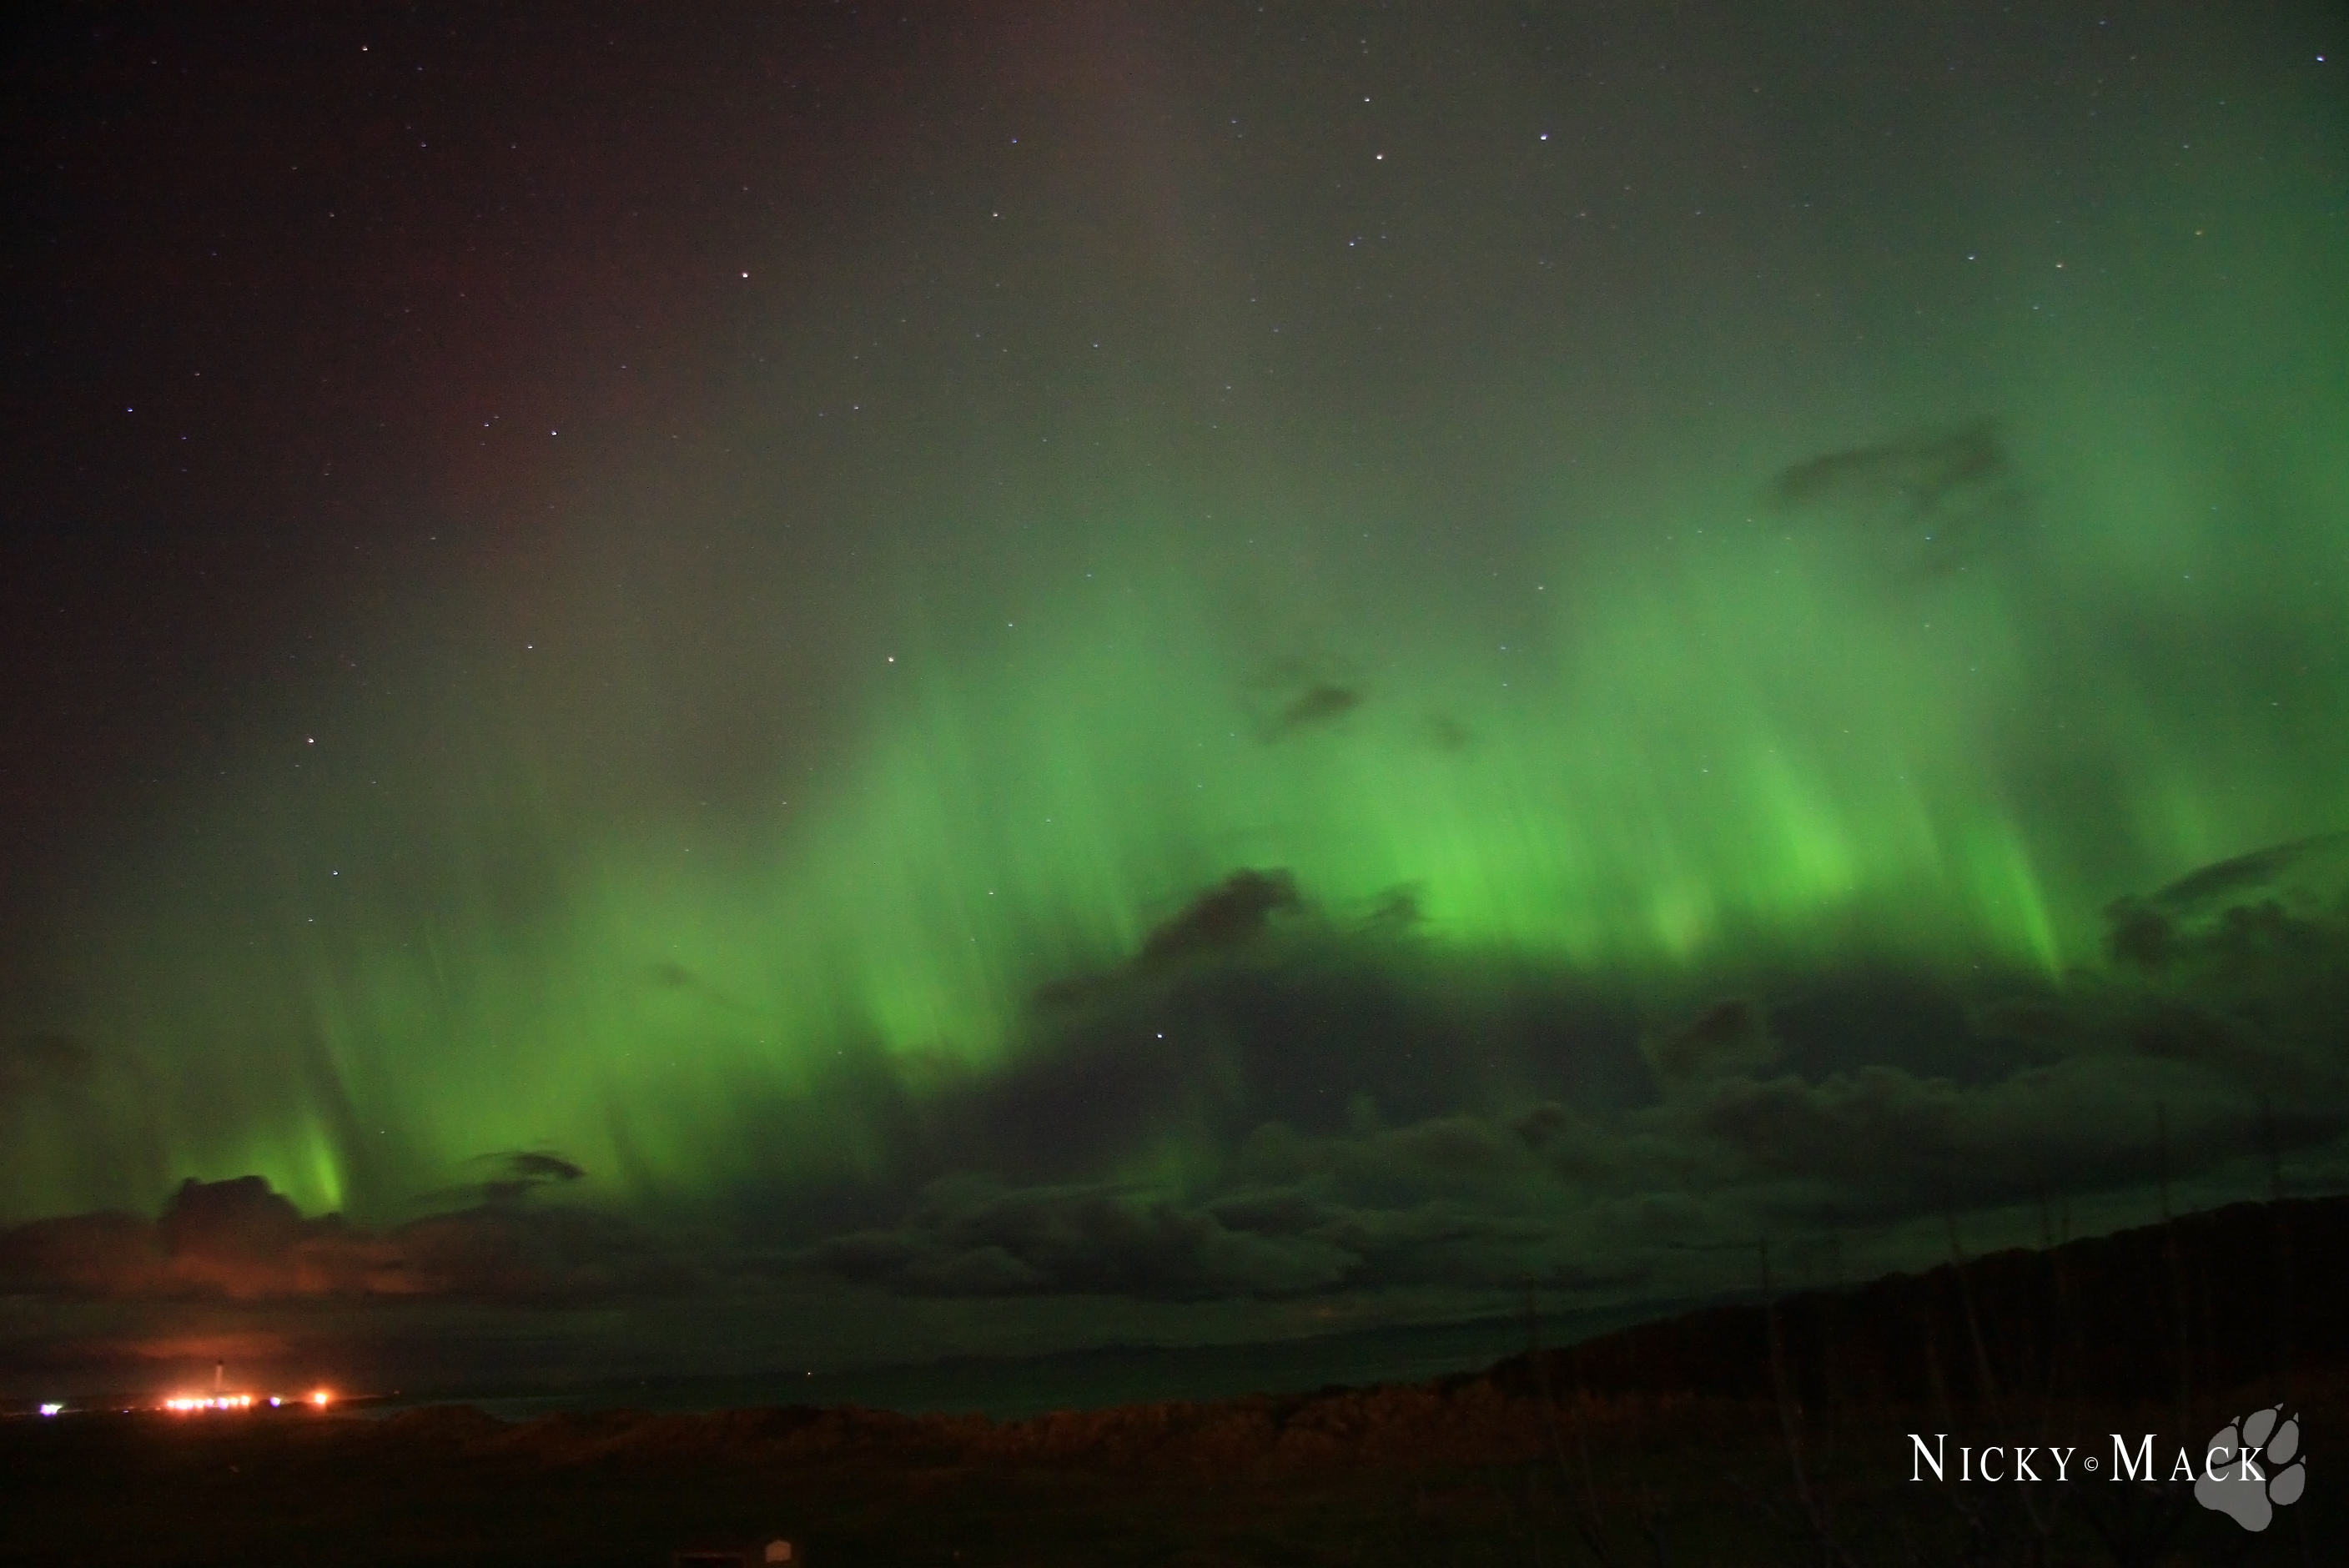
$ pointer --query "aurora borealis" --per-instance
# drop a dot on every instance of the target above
(894, 684)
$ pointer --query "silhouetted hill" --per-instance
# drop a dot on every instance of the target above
(2231, 1296)
(1664, 1442)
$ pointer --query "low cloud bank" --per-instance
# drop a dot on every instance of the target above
(2210, 1047)
(1262, 1106)
(240, 1240)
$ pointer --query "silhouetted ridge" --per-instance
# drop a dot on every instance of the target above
(2248, 1293)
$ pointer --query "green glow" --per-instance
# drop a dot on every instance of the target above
(1700, 748)
(1675, 738)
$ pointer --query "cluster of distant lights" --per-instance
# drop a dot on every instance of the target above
(186, 1404)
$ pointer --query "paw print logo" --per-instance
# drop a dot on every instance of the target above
(2253, 1469)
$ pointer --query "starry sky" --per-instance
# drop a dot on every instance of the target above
(815, 685)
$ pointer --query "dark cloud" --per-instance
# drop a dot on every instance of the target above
(1820, 1102)
(1919, 472)
(2291, 900)
(235, 1238)
(1922, 504)
(240, 1240)
(2312, 874)
(1341, 1107)
(1479, 1200)
(234, 1222)
(973, 1236)
(540, 1166)
(1251, 1005)
(522, 1172)
(1225, 916)
(1298, 697)
(554, 1255)
(1321, 703)
(1732, 1034)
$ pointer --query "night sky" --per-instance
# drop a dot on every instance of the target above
(694, 690)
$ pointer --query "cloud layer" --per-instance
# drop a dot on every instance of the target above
(1847, 1104)
(1267, 1105)
(240, 1240)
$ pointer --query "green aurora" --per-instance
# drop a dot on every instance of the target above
(1760, 744)
(732, 832)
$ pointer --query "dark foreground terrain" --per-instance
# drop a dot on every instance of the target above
(1756, 1435)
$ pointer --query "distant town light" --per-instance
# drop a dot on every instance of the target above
(53, 1409)
(185, 1402)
